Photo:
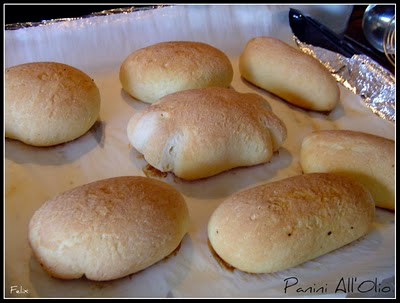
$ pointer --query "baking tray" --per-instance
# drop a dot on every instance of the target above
(98, 45)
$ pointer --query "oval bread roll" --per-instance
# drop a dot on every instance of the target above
(366, 158)
(289, 73)
(108, 229)
(49, 103)
(202, 132)
(282, 224)
(163, 68)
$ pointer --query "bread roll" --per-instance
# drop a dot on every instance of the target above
(49, 103)
(288, 73)
(366, 158)
(160, 69)
(201, 132)
(108, 229)
(282, 224)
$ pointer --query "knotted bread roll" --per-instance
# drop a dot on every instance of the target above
(201, 132)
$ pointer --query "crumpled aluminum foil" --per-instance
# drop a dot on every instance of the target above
(362, 75)
(123, 10)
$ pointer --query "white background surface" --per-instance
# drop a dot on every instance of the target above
(98, 46)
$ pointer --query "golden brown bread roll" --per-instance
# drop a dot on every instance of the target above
(366, 158)
(282, 224)
(201, 132)
(108, 229)
(289, 73)
(163, 68)
(49, 103)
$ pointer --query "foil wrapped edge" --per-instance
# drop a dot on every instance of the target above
(361, 75)
(124, 10)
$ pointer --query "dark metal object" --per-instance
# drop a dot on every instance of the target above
(310, 31)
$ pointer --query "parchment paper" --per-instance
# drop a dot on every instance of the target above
(98, 45)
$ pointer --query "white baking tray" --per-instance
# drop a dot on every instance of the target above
(98, 45)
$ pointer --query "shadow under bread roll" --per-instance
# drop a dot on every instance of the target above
(367, 158)
(108, 229)
(283, 224)
(289, 73)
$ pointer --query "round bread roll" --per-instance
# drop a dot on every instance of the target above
(108, 229)
(367, 158)
(164, 68)
(289, 73)
(201, 132)
(282, 224)
(49, 103)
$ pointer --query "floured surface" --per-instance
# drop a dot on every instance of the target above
(98, 46)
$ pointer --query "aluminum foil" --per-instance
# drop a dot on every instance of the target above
(124, 10)
(362, 75)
